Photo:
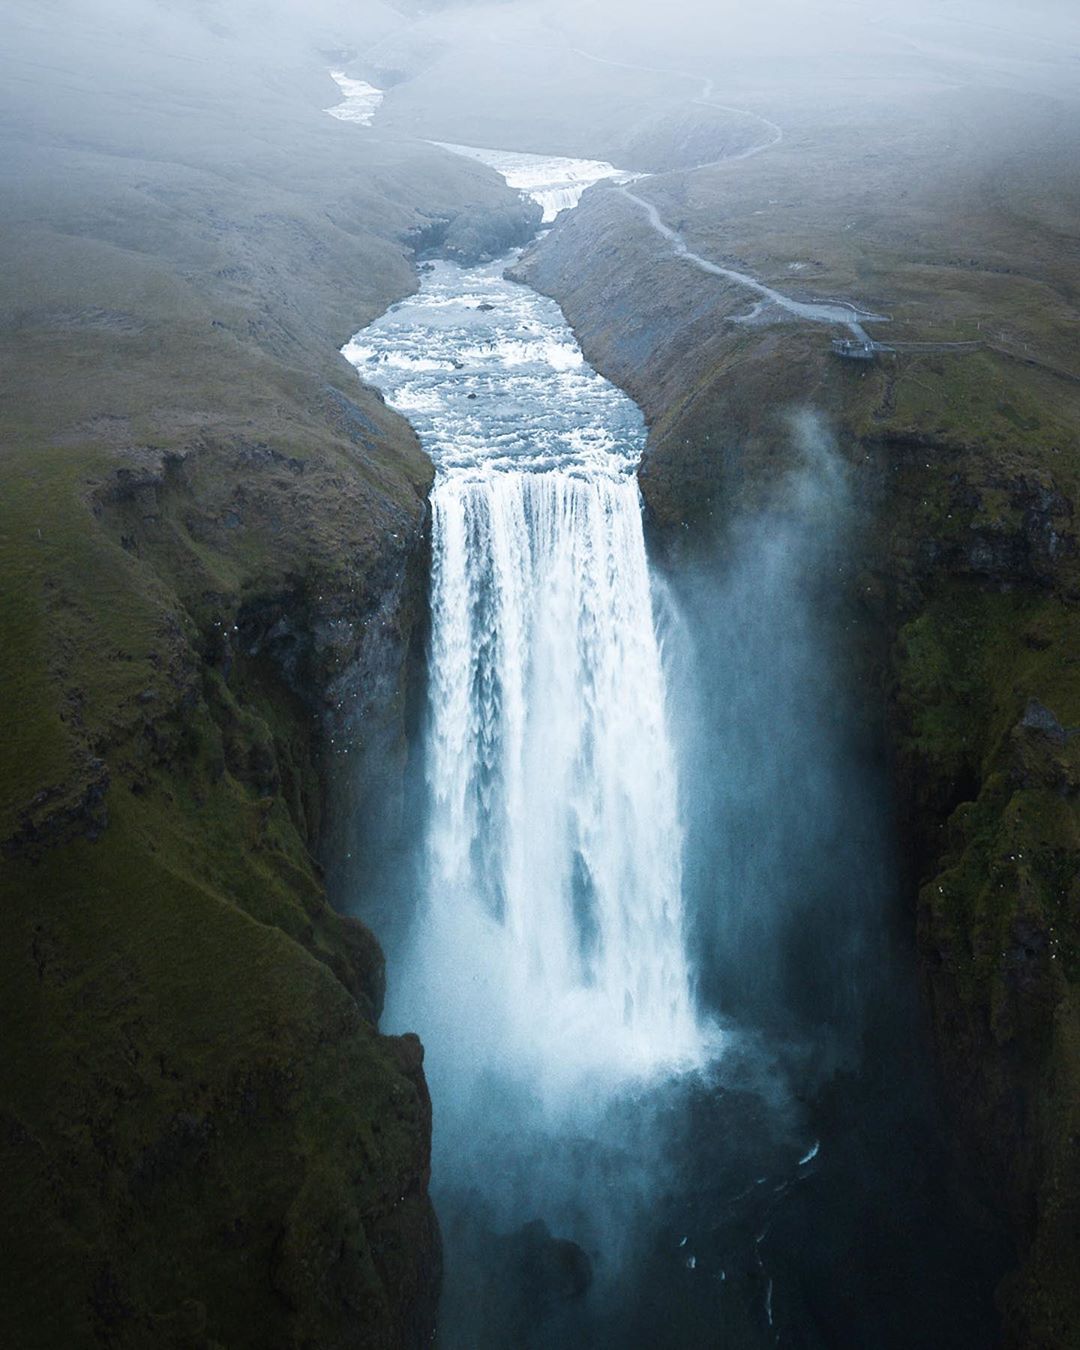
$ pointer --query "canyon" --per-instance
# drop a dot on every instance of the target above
(217, 549)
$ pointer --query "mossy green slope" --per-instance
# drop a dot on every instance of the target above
(212, 542)
(207, 1140)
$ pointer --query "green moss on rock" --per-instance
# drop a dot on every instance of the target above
(986, 702)
(208, 1141)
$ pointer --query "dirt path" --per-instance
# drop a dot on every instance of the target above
(837, 312)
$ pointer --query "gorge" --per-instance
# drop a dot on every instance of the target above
(539, 804)
(578, 997)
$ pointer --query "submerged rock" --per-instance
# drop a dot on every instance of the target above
(550, 1269)
(523, 1284)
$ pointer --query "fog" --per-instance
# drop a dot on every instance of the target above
(120, 61)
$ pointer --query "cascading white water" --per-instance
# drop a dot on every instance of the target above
(547, 972)
(550, 941)
(554, 836)
(361, 101)
(546, 968)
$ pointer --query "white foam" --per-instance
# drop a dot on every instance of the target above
(553, 784)
(361, 100)
(555, 182)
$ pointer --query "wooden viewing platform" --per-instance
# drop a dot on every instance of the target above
(851, 349)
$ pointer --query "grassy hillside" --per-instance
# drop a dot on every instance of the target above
(213, 557)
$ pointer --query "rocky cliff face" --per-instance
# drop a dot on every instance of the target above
(961, 586)
(214, 560)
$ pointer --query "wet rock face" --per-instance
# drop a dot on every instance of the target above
(476, 234)
(1000, 530)
(979, 567)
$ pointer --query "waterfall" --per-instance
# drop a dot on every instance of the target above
(545, 964)
(554, 849)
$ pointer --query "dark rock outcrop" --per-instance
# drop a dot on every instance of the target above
(476, 234)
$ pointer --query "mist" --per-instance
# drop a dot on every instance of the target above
(792, 845)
